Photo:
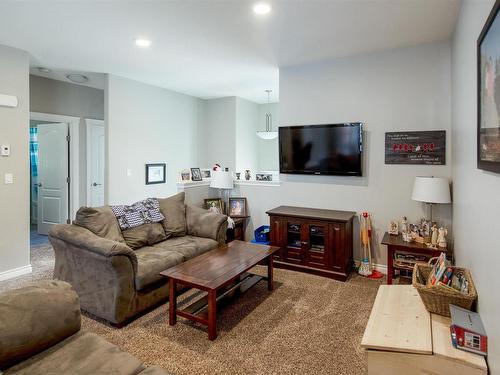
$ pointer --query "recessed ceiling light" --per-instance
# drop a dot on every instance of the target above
(262, 8)
(143, 43)
(77, 78)
(41, 69)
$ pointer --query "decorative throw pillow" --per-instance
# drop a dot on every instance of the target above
(100, 221)
(146, 211)
(174, 210)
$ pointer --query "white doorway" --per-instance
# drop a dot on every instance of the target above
(55, 187)
(95, 162)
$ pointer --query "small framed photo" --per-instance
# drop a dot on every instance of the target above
(156, 173)
(185, 175)
(206, 174)
(196, 174)
(214, 205)
(264, 177)
(237, 207)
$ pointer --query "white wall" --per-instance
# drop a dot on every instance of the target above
(147, 124)
(217, 133)
(476, 198)
(14, 198)
(268, 149)
(246, 152)
(402, 89)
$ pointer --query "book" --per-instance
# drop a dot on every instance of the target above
(438, 270)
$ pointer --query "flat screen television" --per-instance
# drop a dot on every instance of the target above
(334, 149)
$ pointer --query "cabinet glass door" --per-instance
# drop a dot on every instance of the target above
(294, 242)
(317, 245)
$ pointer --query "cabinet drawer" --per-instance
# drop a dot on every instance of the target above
(294, 255)
(317, 259)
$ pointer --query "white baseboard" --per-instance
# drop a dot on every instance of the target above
(15, 272)
(378, 267)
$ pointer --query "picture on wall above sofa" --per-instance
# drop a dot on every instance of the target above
(488, 63)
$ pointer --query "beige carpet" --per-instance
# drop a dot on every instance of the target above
(307, 325)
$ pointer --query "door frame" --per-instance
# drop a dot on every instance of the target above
(89, 122)
(74, 155)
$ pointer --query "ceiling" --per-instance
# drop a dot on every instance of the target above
(215, 48)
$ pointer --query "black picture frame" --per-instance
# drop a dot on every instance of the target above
(231, 210)
(196, 174)
(151, 173)
(486, 162)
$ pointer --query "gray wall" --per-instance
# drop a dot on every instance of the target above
(402, 89)
(147, 124)
(64, 98)
(476, 197)
(268, 150)
(246, 142)
(14, 130)
(217, 133)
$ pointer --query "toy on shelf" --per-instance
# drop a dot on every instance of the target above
(441, 239)
(393, 228)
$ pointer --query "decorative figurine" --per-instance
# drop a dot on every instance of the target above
(238, 174)
(407, 237)
(434, 237)
(404, 225)
(393, 228)
(247, 175)
(441, 240)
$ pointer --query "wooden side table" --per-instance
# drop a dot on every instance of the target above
(396, 243)
(238, 232)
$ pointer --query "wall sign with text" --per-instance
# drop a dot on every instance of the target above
(423, 147)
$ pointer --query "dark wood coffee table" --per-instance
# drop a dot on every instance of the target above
(222, 274)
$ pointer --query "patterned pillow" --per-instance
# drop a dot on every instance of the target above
(142, 212)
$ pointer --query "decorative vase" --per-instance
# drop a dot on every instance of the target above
(247, 174)
(238, 174)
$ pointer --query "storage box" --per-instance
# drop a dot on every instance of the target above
(262, 233)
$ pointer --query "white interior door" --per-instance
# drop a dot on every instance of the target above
(95, 163)
(52, 175)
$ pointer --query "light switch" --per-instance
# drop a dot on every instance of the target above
(9, 178)
(5, 150)
(129, 172)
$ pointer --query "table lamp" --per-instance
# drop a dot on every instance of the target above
(222, 180)
(431, 190)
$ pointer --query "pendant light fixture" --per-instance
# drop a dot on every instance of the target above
(268, 133)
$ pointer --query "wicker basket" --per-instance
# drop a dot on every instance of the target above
(437, 299)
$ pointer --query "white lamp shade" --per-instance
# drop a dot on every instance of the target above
(221, 180)
(431, 190)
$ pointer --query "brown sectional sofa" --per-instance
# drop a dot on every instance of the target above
(115, 273)
(41, 335)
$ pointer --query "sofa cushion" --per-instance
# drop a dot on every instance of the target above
(36, 317)
(144, 235)
(174, 210)
(188, 246)
(150, 262)
(81, 354)
(100, 221)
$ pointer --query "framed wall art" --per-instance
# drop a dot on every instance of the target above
(417, 148)
(488, 93)
(156, 173)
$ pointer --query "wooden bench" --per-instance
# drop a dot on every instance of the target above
(402, 337)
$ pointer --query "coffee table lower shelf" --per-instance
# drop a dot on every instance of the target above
(199, 311)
